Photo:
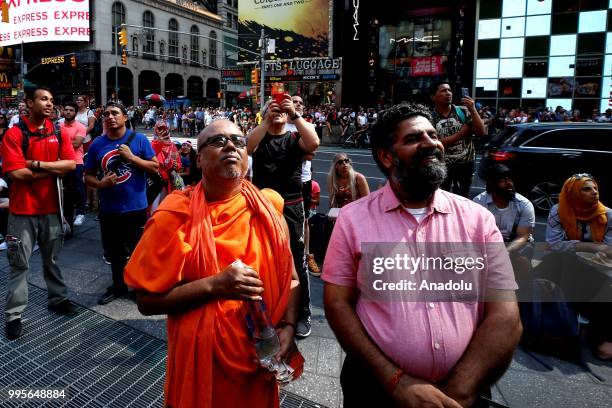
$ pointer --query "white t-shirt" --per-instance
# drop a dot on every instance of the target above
(306, 172)
(14, 120)
(418, 213)
(83, 118)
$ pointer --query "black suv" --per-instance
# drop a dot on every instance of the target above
(543, 155)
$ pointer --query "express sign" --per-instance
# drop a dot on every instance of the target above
(44, 20)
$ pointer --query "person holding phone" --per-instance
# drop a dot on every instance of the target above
(278, 154)
(455, 126)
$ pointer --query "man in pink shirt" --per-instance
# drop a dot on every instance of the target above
(416, 353)
(74, 186)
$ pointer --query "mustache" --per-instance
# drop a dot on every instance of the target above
(426, 154)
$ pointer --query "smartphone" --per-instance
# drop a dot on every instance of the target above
(465, 92)
(278, 98)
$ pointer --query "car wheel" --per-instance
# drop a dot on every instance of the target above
(544, 196)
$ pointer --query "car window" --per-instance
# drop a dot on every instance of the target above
(578, 139)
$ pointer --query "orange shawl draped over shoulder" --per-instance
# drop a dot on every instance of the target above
(210, 356)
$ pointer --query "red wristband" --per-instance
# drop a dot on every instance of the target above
(395, 380)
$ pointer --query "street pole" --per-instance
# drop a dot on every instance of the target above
(22, 70)
(262, 66)
(116, 63)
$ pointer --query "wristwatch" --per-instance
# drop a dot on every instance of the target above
(294, 117)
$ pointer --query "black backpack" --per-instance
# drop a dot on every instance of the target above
(97, 129)
(155, 183)
(26, 134)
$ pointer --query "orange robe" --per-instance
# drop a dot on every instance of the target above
(210, 356)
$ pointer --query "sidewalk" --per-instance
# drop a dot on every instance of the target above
(113, 356)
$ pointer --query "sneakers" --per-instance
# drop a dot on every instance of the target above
(313, 268)
(79, 220)
(65, 307)
(3, 246)
(303, 328)
(13, 329)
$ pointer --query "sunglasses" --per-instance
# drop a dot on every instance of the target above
(581, 176)
(238, 141)
(343, 161)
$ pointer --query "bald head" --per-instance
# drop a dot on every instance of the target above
(216, 127)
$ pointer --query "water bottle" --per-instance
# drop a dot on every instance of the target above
(262, 332)
(260, 328)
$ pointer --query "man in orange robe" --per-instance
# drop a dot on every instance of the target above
(182, 267)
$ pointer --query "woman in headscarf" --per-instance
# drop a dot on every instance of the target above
(580, 223)
(344, 184)
(169, 159)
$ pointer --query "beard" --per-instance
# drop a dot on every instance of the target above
(419, 181)
(505, 194)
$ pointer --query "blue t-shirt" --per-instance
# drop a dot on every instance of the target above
(130, 192)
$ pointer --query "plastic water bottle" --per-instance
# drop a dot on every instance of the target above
(260, 328)
(262, 332)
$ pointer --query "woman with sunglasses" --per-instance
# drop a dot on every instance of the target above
(579, 226)
(344, 184)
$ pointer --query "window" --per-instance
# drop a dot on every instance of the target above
(118, 18)
(135, 46)
(579, 139)
(173, 41)
(212, 46)
(195, 45)
(148, 20)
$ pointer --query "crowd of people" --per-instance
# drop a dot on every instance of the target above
(210, 235)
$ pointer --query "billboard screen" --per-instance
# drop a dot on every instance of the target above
(300, 27)
(53, 20)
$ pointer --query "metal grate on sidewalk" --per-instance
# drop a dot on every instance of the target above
(98, 361)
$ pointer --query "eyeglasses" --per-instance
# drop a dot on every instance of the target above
(581, 176)
(238, 141)
(106, 114)
(343, 161)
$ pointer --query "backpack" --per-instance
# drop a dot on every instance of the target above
(97, 128)
(155, 183)
(320, 232)
(550, 325)
(26, 134)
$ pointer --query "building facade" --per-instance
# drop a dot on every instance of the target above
(179, 57)
(394, 51)
(544, 53)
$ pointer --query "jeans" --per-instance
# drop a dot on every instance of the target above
(459, 178)
(23, 232)
(120, 235)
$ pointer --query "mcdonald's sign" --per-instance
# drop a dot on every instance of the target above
(4, 81)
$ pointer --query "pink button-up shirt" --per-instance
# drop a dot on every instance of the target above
(426, 339)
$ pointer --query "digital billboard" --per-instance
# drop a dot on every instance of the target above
(300, 28)
(51, 20)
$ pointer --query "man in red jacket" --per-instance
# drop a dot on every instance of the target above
(34, 209)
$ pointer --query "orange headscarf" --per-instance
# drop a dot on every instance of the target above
(573, 209)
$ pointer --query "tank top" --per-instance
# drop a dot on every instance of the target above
(343, 196)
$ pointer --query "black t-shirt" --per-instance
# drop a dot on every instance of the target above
(277, 164)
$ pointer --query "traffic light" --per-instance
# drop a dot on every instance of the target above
(124, 58)
(255, 76)
(73, 61)
(123, 40)
(5, 12)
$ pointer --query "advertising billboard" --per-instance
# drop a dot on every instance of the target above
(37, 21)
(299, 27)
